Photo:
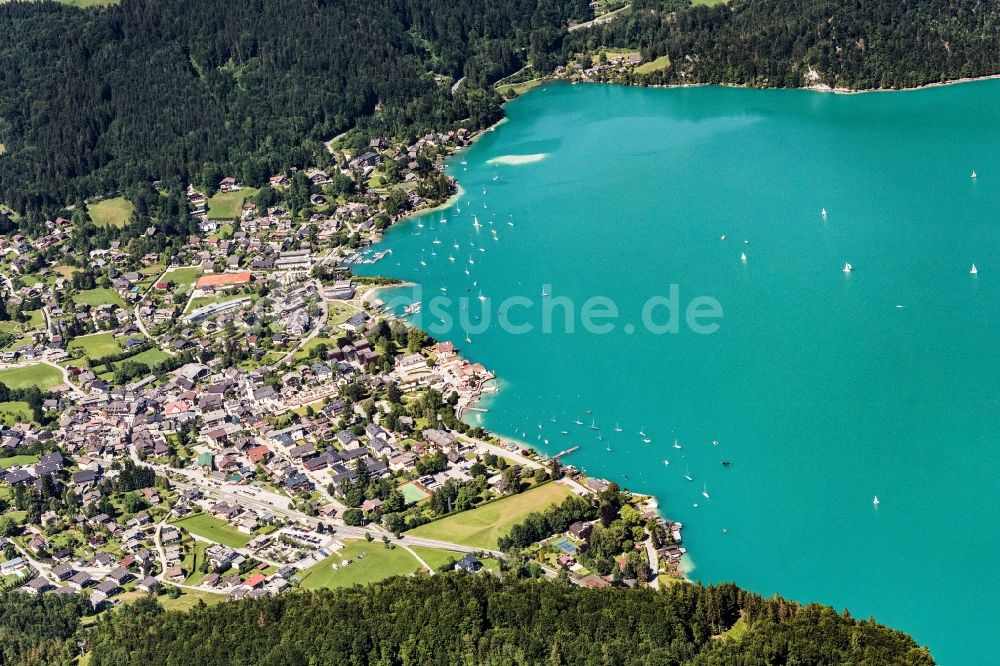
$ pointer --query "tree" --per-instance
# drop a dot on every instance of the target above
(354, 517)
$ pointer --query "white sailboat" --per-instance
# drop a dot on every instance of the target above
(451, 258)
(974, 270)
(666, 462)
(593, 424)
(677, 444)
(642, 431)
(743, 257)
(481, 297)
(687, 475)
(823, 213)
(647, 441)
(848, 268)
(973, 176)
(578, 421)
(875, 501)
(722, 237)
(704, 491)
(437, 241)
(617, 428)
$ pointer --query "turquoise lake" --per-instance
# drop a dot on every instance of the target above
(822, 388)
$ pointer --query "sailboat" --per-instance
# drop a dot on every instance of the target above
(482, 299)
(451, 258)
(642, 431)
(617, 428)
(722, 237)
(743, 257)
(468, 339)
(666, 462)
(437, 241)
(823, 213)
(704, 491)
(875, 501)
(647, 440)
(593, 424)
(553, 418)
(677, 444)
(974, 270)
(973, 176)
(848, 268)
(687, 475)
(578, 421)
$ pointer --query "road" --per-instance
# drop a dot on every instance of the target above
(599, 20)
(654, 564)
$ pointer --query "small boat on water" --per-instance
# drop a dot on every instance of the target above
(677, 444)
(553, 418)
(743, 257)
(723, 237)
(687, 475)
(704, 491)
(823, 213)
(875, 501)
(563, 432)
(848, 268)
(726, 463)
(715, 442)
(578, 422)
(642, 431)
(451, 258)
(974, 270)
(617, 428)
(666, 462)
(481, 297)
(973, 175)
(647, 440)
(437, 241)
(593, 424)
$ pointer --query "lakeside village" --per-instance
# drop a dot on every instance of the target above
(231, 416)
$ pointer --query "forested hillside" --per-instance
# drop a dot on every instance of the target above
(96, 100)
(455, 618)
(858, 45)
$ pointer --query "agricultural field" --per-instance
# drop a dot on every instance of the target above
(99, 296)
(371, 561)
(110, 212)
(653, 65)
(229, 205)
(39, 374)
(95, 346)
(213, 529)
(482, 526)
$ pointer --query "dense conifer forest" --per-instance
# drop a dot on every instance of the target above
(458, 618)
(95, 101)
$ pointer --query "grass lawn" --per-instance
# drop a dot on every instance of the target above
(228, 205)
(197, 556)
(6, 463)
(340, 312)
(214, 529)
(736, 631)
(36, 319)
(41, 375)
(66, 271)
(708, 3)
(377, 564)
(303, 353)
(150, 357)
(659, 63)
(189, 599)
(96, 345)
(436, 558)
(99, 297)
(519, 88)
(14, 412)
(184, 277)
(111, 212)
(482, 526)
